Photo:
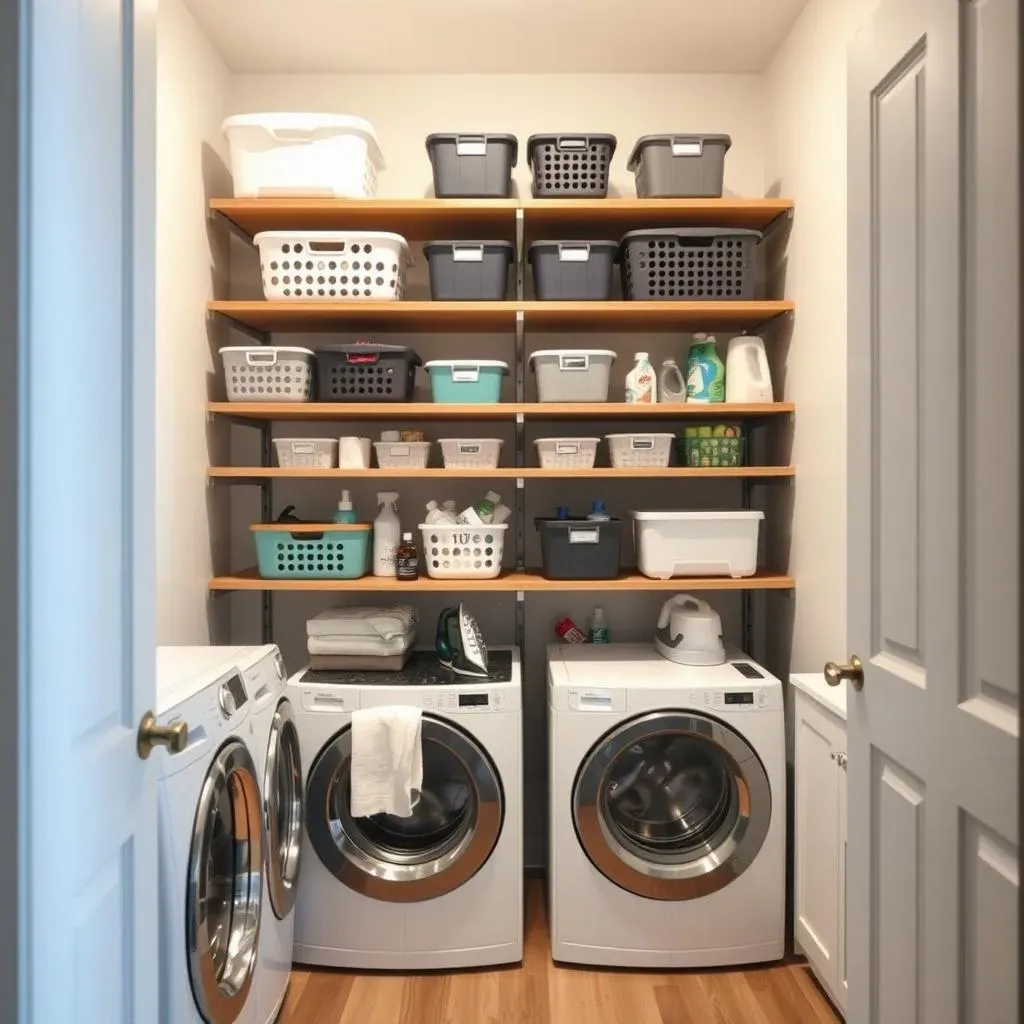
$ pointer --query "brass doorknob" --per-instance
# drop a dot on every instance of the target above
(173, 737)
(852, 673)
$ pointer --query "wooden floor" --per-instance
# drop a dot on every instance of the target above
(539, 992)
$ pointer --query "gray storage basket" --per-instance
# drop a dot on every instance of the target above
(690, 263)
(573, 270)
(679, 166)
(469, 270)
(472, 166)
(570, 166)
(580, 549)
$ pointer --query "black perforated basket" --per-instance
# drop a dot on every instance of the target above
(690, 263)
(570, 166)
(366, 373)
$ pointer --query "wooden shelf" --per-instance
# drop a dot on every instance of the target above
(426, 317)
(255, 473)
(538, 411)
(509, 582)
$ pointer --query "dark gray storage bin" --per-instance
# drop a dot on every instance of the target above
(570, 166)
(679, 166)
(580, 549)
(468, 166)
(366, 372)
(573, 270)
(469, 270)
(690, 263)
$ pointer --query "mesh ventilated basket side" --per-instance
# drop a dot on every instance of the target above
(633, 451)
(267, 373)
(306, 452)
(471, 452)
(331, 553)
(463, 552)
(366, 373)
(402, 454)
(566, 452)
(570, 165)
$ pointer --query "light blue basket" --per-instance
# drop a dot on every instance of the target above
(312, 551)
(466, 380)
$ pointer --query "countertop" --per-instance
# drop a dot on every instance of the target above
(832, 698)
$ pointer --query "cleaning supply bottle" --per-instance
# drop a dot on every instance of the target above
(407, 559)
(641, 383)
(387, 532)
(671, 382)
(438, 516)
(599, 627)
(705, 372)
(501, 514)
(449, 509)
(598, 512)
(482, 513)
(345, 512)
(562, 512)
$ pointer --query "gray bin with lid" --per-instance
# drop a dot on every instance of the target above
(573, 270)
(679, 166)
(580, 549)
(472, 166)
(469, 270)
(570, 166)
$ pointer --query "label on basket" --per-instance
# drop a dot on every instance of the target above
(401, 451)
(470, 147)
(574, 362)
(690, 147)
(466, 376)
(588, 536)
(573, 253)
(642, 444)
(303, 448)
(468, 254)
(567, 448)
(469, 449)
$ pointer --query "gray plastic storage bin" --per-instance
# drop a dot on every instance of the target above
(580, 549)
(573, 270)
(679, 166)
(572, 374)
(570, 166)
(469, 270)
(690, 263)
(468, 166)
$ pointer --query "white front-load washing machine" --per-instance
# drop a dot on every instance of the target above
(667, 809)
(442, 888)
(211, 844)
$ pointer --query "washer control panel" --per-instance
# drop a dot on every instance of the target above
(231, 695)
(467, 700)
(758, 698)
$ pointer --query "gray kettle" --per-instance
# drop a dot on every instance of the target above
(460, 644)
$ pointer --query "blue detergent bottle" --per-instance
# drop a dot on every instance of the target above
(345, 512)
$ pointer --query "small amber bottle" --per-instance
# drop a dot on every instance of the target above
(407, 559)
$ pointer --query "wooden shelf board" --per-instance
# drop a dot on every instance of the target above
(652, 316)
(255, 473)
(509, 582)
(540, 411)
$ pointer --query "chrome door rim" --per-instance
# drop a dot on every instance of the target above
(348, 856)
(283, 848)
(644, 873)
(220, 996)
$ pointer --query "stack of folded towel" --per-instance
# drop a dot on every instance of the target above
(362, 638)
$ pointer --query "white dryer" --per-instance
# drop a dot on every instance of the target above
(211, 844)
(442, 888)
(667, 809)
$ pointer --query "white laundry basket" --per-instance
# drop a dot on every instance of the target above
(332, 264)
(572, 375)
(306, 452)
(267, 373)
(567, 452)
(463, 552)
(639, 451)
(402, 454)
(470, 452)
(295, 154)
(696, 543)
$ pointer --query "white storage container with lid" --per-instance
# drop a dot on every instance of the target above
(572, 375)
(696, 543)
(303, 154)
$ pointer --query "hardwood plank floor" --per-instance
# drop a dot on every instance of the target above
(541, 992)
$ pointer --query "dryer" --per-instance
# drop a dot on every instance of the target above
(442, 888)
(667, 809)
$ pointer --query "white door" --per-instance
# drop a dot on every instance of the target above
(89, 916)
(934, 607)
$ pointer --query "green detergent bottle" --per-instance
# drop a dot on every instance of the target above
(705, 372)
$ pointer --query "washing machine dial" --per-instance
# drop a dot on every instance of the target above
(762, 698)
(226, 700)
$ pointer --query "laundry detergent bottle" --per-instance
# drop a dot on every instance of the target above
(387, 534)
(641, 382)
(705, 372)
(345, 512)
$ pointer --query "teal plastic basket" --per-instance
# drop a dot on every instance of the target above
(466, 380)
(312, 551)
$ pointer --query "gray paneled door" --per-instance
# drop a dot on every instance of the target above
(934, 513)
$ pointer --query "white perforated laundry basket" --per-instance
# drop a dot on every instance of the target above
(294, 154)
(696, 543)
(332, 264)
(471, 452)
(567, 452)
(267, 373)
(463, 552)
(306, 452)
(638, 451)
(402, 454)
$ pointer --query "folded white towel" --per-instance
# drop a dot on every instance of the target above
(387, 760)
(364, 621)
(368, 645)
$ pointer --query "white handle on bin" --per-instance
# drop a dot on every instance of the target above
(572, 143)
(303, 448)
(641, 444)
(573, 253)
(398, 450)
(259, 357)
(466, 375)
(470, 145)
(327, 247)
(574, 362)
(686, 146)
(567, 447)
(590, 535)
(467, 253)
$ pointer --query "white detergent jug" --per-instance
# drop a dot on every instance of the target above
(747, 377)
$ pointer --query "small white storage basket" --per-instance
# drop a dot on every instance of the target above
(332, 265)
(290, 154)
(567, 452)
(306, 452)
(267, 373)
(402, 454)
(572, 375)
(470, 452)
(463, 552)
(635, 451)
(696, 543)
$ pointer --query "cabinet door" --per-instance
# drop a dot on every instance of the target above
(842, 988)
(819, 736)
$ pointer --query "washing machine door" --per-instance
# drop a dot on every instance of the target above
(225, 876)
(282, 810)
(671, 805)
(452, 831)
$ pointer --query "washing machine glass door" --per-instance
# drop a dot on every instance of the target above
(224, 886)
(671, 805)
(449, 836)
(282, 810)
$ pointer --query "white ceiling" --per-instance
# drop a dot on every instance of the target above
(530, 36)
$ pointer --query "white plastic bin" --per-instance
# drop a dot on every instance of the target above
(572, 375)
(306, 452)
(567, 452)
(353, 452)
(696, 543)
(470, 452)
(463, 552)
(296, 154)
(639, 451)
(402, 454)
(332, 265)
(267, 373)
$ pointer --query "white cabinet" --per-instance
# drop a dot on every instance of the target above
(820, 827)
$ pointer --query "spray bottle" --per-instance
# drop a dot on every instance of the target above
(345, 512)
(387, 533)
